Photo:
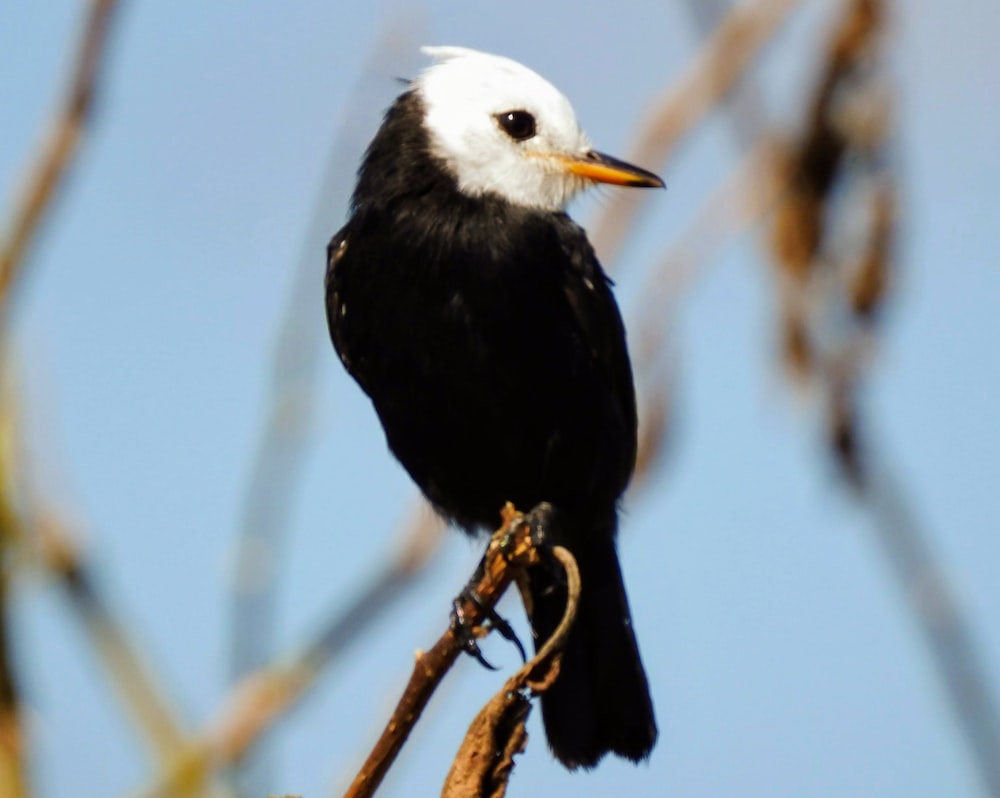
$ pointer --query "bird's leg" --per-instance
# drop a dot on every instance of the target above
(540, 519)
(544, 525)
(466, 632)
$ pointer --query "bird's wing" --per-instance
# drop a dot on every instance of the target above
(335, 252)
(588, 291)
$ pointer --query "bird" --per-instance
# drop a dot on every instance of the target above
(474, 313)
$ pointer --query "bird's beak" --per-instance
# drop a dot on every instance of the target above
(603, 168)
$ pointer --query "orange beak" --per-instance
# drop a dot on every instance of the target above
(603, 168)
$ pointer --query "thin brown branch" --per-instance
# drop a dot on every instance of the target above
(743, 199)
(130, 673)
(284, 437)
(840, 149)
(510, 550)
(933, 603)
(56, 155)
(48, 543)
(13, 777)
(267, 695)
(484, 762)
(717, 67)
(745, 105)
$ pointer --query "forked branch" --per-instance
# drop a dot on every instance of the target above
(484, 763)
(512, 549)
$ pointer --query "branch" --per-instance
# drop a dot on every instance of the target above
(739, 202)
(511, 549)
(746, 107)
(285, 436)
(130, 674)
(268, 694)
(58, 151)
(46, 542)
(723, 59)
(13, 778)
(842, 145)
(485, 760)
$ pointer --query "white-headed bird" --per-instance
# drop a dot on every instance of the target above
(474, 313)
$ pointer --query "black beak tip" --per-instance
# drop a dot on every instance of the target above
(637, 177)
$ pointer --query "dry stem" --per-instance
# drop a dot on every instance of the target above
(510, 550)
(485, 760)
(150, 708)
(57, 153)
(723, 59)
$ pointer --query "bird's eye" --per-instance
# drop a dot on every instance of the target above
(519, 125)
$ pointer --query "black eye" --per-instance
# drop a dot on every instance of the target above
(519, 125)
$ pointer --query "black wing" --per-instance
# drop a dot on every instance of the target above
(588, 291)
(335, 306)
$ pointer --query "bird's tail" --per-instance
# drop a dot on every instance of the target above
(600, 701)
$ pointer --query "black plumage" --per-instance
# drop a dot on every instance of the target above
(487, 336)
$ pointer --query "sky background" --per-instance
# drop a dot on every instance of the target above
(781, 655)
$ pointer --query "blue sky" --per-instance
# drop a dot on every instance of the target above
(782, 658)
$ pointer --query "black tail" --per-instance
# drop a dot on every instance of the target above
(600, 702)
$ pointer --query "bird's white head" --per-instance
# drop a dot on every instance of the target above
(502, 129)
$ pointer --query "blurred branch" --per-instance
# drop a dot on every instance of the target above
(39, 538)
(745, 103)
(283, 439)
(57, 153)
(743, 198)
(266, 695)
(835, 171)
(484, 762)
(934, 605)
(263, 697)
(130, 674)
(721, 62)
(13, 778)
(13, 781)
(282, 445)
(510, 550)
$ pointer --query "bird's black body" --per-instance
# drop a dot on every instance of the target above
(488, 339)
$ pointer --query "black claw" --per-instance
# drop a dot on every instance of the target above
(472, 648)
(467, 634)
(464, 632)
(506, 632)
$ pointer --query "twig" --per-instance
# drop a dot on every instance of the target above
(265, 696)
(745, 104)
(484, 762)
(510, 550)
(833, 148)
(45, 541)
(131, 676)
(711, 74)
(933, 604)
(56, 155)
(13, 779)
(743, 198)
(284, 438)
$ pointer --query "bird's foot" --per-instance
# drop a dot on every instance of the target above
(469, 633)
(540, 519)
